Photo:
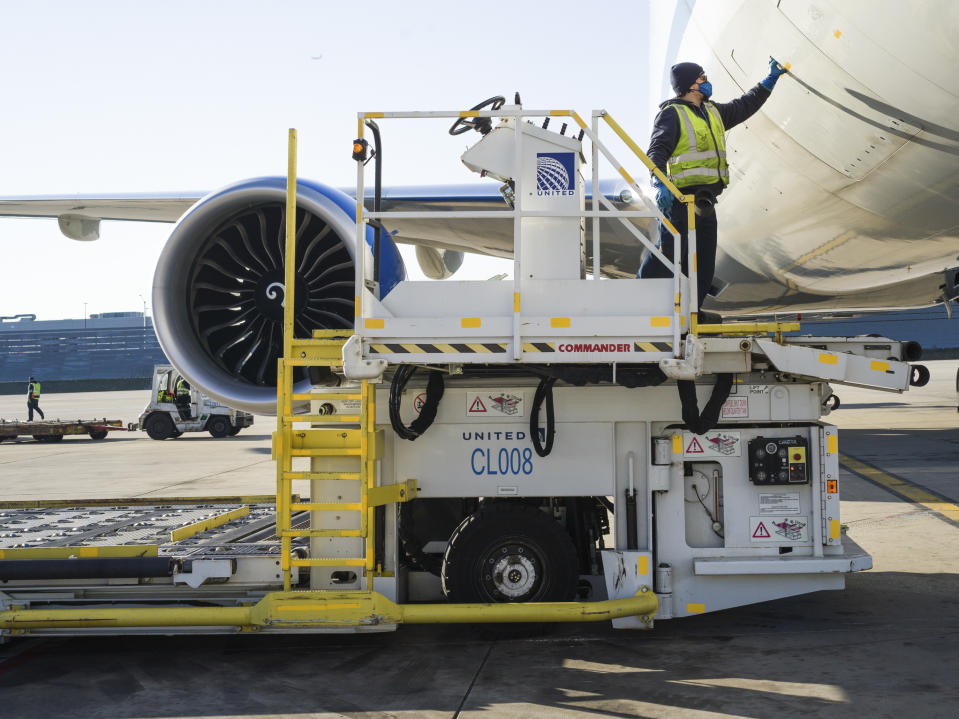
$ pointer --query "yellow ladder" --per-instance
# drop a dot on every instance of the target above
(346, 454)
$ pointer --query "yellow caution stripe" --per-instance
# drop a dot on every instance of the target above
(653, 346)
(453, 348)
(539, 347)
(945, 509)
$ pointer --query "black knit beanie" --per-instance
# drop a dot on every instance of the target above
(683, 75)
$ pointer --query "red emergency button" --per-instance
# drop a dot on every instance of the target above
(797, 456)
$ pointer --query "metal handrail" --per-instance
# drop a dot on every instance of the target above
(595, 213)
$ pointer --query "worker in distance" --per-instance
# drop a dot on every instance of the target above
(688, 144)
(33, 399)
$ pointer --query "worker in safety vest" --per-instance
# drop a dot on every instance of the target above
(181, 392)
(33, 399)
(689, 144)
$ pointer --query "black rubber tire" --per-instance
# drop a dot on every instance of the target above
(98, 434)
(159, 426)
(176, 433)
(423, 520)
(218, 426)
(234, 431)
(532, 551)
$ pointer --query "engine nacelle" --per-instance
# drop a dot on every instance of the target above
(219, 288)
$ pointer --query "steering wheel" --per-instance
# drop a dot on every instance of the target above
(481, 124)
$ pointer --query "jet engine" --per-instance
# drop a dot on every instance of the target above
(219, 289)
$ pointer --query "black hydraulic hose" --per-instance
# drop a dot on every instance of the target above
(702, 423)
(543, 392)
(86, 568)
(632, 540)
(377, 196)
(434, 393)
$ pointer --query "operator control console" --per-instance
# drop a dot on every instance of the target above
(778, 460)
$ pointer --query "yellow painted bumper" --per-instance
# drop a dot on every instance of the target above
(329, 609)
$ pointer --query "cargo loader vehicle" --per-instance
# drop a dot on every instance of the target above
(558, 447)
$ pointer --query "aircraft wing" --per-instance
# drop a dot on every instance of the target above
(79, 217)
(142, 207)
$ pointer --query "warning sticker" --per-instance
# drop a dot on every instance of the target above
(486, 404)
(787, 503)
(418, 402)
(712, 444)
(779, 529)
(735, 407)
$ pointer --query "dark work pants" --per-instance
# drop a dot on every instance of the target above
(182, 403)
(33, 404)
(705, 249)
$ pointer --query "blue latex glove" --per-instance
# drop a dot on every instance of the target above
(775, 70)
(664, 198)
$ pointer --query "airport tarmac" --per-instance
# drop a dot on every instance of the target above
(887, 645)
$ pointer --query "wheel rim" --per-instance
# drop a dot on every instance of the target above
(512, 572)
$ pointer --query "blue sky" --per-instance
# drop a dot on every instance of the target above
(136, 97)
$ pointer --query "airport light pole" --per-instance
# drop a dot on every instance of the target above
(84, 315)
(144, 312)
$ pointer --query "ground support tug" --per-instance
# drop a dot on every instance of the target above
(622, 501)
(164, 418)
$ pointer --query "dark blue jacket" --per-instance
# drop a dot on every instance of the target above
(666, 129)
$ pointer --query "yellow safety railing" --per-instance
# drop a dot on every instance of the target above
(689, 200)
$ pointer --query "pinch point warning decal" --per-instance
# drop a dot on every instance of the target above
(712, 444)
(780, 529)
(495, 403)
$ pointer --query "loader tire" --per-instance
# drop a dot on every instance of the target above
(98, 434)
(159, 426)
(234, 431)
(218, 426)
(510, 552)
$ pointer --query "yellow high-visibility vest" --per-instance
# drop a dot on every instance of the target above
(700, 154)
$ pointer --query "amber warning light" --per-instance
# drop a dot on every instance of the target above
(359, 149)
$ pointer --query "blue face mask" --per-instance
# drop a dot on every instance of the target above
(706, 88)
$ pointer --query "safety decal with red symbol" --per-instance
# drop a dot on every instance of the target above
(779, 529)
(719, 443)
(493, 403)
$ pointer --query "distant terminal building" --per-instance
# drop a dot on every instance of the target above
(111, 350)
